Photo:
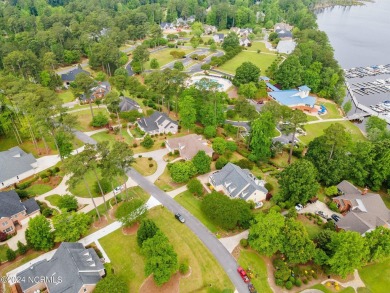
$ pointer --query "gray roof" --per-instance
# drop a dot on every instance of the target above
(367, 212)
(74, 264)
(16, 161)
(31, 206)
(127, 104)
(10, 204)
(286, 46)
(151, 123)
(345, 187)
(71, 75)
(284, 33)
(238, 182)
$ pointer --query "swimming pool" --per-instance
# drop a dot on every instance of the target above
(202, 80)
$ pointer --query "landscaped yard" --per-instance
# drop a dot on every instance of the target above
(53, 199)
(38, 189)
(326, 290)
(192, 204)
(376, 276)
(164, 182)
(311, 118)
(142, 165)
(317, 129)
(111, 137)
(28, 146)
(3, 252)
(163, 56)
(84, 118)
(332, 110)
(258, 46)
(66, 96)
(81, 190)
(280, 160)
(263, 61)
(252, 260)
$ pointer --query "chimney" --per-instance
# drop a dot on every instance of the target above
(365, 190)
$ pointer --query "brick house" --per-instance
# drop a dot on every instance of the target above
(14, 212)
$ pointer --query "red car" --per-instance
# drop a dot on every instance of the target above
(243, 274)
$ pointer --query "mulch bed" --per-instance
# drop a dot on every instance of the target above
(130, 230)
(172, 286)
(102, 223)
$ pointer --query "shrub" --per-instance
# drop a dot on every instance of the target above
(198, 130)
(22, 193)
(69, 202)
(43, 175)
(99, 120)
(147, 142)
(245, 164)
(305, 281)
(24, 185)
(220, 163)
(315, 276)
(11, 255)
(151, 165)
(195, 187)
(46, 180)
(277, 209)
(22, 248)
(135, 145)
(279, 282)
(184, 267)
(268, 186)
(231, 146)
(292, 279)
(244, 242)
(154, 63)
(105, 184)
(205, 66)
(150, 158)
(210, 131)
(288, 285)
(333, 206)
(298, 283)
(47, 212)
(56, 169)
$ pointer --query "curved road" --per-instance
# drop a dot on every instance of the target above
(226, 260)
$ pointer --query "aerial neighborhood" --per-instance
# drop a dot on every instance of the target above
(168, 146)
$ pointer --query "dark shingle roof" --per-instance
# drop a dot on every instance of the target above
(127, 104)
(10, 204)
(73, 263)
(345, 187)
(71, 75)
(17, 162)
(31, 206)
(284, 33)
(151, 123)
(237, 181)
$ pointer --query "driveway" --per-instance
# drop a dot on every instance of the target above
(231, 242)
(223, 256)
(158, 157)
(318, 206)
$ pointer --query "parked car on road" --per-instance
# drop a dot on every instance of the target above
(251, 288)
(243, 274)
(335, 217)
(298, 207)
(180, 218)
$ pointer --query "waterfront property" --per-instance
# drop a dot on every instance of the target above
(14, 213)
(238, 183)
(158, 123)
(363, 211)
(16, 165)
(72, 268)
(292, 98)
(188, 146)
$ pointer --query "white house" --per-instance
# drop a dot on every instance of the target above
(245, 42)
(158, 123)
(238, 183)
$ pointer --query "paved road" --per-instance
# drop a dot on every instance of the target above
(226, 260)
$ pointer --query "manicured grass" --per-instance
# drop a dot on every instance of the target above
(142, 166)
(263, 61)
(38, 189)
(84, 118)
(326, 290)
(311, 118)
(258, 46)
(317, 129)
(187, 246)
(376, 276)
(363, 290)
(3, 251)
(164, 182)
(193, 205)
(53, 199)
(111, 137)
(312, 229)
(281, 159)
(332, 110)
(163, 56)
(252, 260)
(81, 190)
(66, 96)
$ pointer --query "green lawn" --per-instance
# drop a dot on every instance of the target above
(163, 56)
(332, 110)
(111, 137)
(311, 118)
(258, 46)
(192, 204)
(142, 165)
(326, 290)
(164, 182)
(81, 190)
(363, 290)
(28, 146)
(253, 261)
(3, 251)
(53, 199)
(263, 61)
(376, 276)
(187, 246)
(66, 96)
(38, 189)
(84, 118)
(311, 228)
(317, 129)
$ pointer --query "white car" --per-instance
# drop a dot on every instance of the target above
(118, 189)
(298, 207)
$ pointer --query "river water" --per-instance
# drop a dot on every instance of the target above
(360, 35)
